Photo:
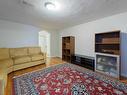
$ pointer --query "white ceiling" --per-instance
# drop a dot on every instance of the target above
(72, 12)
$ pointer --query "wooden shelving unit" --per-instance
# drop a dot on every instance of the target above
(108, 42)
(68, 48)
(107, 49)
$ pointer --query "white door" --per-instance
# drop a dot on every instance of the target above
(44, 43)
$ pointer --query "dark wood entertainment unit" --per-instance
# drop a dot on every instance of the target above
(84, 61)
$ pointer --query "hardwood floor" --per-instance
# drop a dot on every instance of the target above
(50, 62)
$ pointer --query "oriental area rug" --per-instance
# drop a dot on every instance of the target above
(66, 79)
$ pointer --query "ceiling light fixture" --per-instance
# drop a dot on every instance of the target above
(52, 6)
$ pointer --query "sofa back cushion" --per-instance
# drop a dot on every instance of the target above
(34, 50)
(18, 52)
(4, 53)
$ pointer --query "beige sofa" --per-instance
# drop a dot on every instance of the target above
(12, 59)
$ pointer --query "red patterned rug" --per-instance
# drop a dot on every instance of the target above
(67, 79)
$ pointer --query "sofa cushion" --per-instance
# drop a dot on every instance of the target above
(4, 53)
(37, 57)
(18, 52)
(34, 50)
(20, 60)
(6, 62)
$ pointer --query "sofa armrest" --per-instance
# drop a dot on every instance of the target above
(1, 87)
(3, 80)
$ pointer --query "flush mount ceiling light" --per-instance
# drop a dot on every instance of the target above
(52, 6)
(44, 5)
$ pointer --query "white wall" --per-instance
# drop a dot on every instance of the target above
(20, 35)
(17, 35)
(85, 34)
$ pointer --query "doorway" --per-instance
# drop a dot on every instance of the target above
(44, 42)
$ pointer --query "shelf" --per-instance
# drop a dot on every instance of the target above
(69, 55)
(107, 43)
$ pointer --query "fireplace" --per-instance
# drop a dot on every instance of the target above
(107, 64)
